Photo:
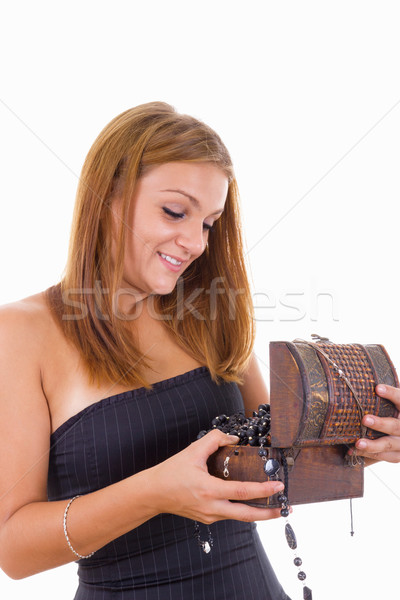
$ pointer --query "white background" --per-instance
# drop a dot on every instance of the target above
(306, 95)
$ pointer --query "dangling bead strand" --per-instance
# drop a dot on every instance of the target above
(205, 545)
(289, 532)
(255, 431)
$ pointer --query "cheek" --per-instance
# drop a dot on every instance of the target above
(155, 235)
(145, 241)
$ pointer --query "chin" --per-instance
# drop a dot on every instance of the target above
(163, 290)
(151, 286)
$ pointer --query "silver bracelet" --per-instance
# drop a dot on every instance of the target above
(65, 530)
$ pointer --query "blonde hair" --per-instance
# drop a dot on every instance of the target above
(140, 138)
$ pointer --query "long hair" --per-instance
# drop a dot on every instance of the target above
(216, 327)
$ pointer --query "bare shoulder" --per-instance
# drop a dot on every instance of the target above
(24, 326)
(33, 306)
(24, 323)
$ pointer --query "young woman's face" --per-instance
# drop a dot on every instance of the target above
(173, 208)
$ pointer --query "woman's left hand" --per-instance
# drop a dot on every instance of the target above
(387, 447)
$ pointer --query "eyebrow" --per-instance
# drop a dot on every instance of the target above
(194, 201)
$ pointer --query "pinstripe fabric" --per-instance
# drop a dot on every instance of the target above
(160, 560)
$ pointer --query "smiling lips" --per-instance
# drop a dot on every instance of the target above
(170, 259)
(170, 262)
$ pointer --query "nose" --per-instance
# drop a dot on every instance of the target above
(192, 238)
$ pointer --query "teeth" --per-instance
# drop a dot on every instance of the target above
(170, 259)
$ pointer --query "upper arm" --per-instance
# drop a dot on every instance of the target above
(24, 415)
(254, 389)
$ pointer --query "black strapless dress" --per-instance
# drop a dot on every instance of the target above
(160, 560)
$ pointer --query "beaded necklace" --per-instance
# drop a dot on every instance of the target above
(255, 431)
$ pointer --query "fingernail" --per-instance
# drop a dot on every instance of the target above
(361, 444)
(278, 487)
(369, 420)
(381, 389)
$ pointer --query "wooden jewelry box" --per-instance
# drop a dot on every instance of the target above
(319, 393)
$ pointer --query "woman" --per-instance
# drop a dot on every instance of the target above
(155, 292)
(108, 376)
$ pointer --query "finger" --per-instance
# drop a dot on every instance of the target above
(213, 440)
(247, 490)
(242, 512)
(388, 425)
(383, 444)
(389, 392)
(392, 457)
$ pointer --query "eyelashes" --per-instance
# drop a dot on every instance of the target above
(173, 214)
(176, 215)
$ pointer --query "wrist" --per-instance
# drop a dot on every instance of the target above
(145, 493)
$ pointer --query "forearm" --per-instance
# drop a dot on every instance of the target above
(32, 540)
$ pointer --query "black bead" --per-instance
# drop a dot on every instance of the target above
(201, 434)
(297, 561)
(282, 499)
(290, 536)
(301, 575)
(285, 512)
(222, 418)
(271, 467)
(253, 441)
(215, 422)
(262, 452)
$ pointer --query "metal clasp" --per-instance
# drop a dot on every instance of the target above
(318, 338)
(226, 470)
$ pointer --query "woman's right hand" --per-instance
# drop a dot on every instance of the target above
(184, 487)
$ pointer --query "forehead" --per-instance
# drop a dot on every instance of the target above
(205, 183)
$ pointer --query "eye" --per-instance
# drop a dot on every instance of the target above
(175, 215)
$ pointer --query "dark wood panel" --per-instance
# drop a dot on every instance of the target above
(318, 474)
